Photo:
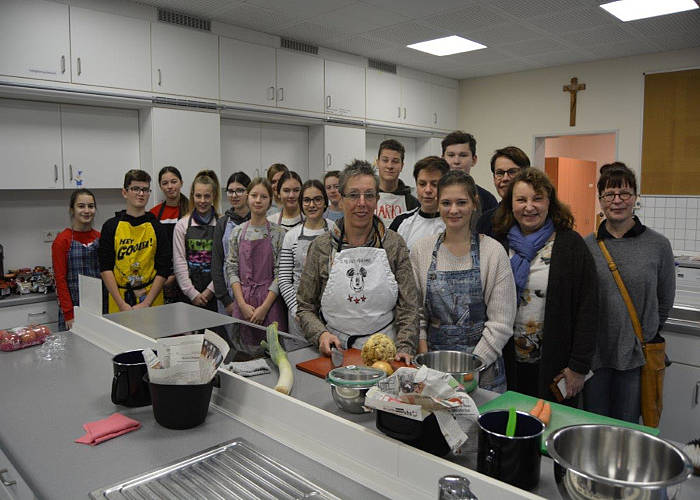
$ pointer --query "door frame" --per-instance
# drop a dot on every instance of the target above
(538, 142)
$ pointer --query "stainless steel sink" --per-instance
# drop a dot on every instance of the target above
(234, 469)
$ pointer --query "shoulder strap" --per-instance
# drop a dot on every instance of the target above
(623, 291)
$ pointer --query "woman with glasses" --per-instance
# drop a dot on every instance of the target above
(288, 189)
(313, 202)
(557, 294)
(358, 279)
(645, 261)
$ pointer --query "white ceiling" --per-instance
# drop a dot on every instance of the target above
(520, 34)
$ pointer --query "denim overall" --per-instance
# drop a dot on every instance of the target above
(456, 312)
(82, 259)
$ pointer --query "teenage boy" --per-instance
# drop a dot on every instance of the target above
(331, 183)
(134, 255)
(505, 164)
(395, 197)
(425, 220)
(459, 150)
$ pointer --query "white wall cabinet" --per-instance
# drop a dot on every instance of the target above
(345, 89)
(331, 147)
(110, 50)
(99, 145)
(288, 144)
(299, 81)
(444, 107)
(240, 149)
(184, 61)
(416, 108)
(34, 39)
(13, 486)
(40, 313)
(383, 96)
(248, 72)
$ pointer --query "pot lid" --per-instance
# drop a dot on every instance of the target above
(355, 376)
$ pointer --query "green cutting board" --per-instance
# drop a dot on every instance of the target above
(561, 415)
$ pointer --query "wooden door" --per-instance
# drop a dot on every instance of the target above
(575, 182)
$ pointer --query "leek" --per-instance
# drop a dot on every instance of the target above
(279, 357)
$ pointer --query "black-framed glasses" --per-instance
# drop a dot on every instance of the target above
(137, 189)
(235, 192)
(512, 172)
(318, 200)
(610, 197)
(355, 197)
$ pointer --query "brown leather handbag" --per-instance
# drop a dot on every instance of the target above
(654, 354)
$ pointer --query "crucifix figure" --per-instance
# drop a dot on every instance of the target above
(572, 89)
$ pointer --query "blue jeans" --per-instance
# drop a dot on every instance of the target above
(614, 393)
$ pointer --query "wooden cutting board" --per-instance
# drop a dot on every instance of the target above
(322, 365)
(561, 415)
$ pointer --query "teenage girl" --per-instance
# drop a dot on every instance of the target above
(74, 252)
(288, 189)
(274, 172)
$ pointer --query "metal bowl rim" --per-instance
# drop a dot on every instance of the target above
(512, 437)
(476, 356)
(561, 462)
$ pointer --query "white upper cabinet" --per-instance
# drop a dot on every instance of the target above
(34, 39)
(415, 102)
(184, 61)
(110, 50)
(30, 141)
(240, 149)
(345, 89)
(99, 145)
(444, 101)
(247, 72)
(383, 96)
(299, 81)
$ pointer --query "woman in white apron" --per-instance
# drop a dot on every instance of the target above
(313, 202)
(358, 279)
(288, 189)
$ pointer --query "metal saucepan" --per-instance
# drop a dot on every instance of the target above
(463, 366)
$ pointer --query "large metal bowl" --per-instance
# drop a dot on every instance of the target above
(605, 461)
(463, 366)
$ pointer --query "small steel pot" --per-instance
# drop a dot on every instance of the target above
(349, 386)
(605, 461)
(463, 366)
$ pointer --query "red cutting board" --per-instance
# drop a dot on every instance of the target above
(322, 365)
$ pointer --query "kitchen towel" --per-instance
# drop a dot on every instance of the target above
(107, 428)
(249, 368)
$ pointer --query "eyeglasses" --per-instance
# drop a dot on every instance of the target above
(499, 174)
(137, 189)
(610, 197)
(316, 201)
(355, 197)
(236, 192)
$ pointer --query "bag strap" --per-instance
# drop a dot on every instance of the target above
(623, 291)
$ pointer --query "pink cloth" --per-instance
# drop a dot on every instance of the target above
(107, 428)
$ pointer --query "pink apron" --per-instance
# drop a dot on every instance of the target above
(256, 266)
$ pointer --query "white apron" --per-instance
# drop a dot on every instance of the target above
(360, 296)
(390, 206)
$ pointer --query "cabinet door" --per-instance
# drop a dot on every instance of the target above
(30, 141)
(247, 72)
(383, 96)
(110, 50)
(444, 102)
(680, 419)
(240, 149)
(288, 144)
(185, 61)
(99, 145)
(37, 313)
(34, 39)
(299, 81)
(18, 489)
(345, 89)
(342, 145)
(415, 102)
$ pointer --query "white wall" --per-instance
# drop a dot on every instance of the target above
(513, 108)
(599, 148)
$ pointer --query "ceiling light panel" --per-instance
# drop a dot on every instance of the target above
(446, 46)
(630, 10)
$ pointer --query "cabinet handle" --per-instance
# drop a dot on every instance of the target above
(79, 67)
(70, 172)
(404, 113)
(328, 102)
(697, 392)
(36, 314)
(63, 64)
(435, 118)
(159, 77)
(55, 173)
(399, 115)
(330, 160)
(5, 481)
(280, 94)
(271, 93)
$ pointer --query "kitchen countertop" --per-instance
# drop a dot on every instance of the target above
(44, 405)
(28, 298)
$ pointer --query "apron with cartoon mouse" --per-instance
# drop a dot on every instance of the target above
(360, 295)
(134, 264)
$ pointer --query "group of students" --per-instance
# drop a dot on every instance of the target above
(336, 261)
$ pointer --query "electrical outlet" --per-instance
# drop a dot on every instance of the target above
(49, 235)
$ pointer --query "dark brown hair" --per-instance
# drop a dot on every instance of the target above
(74, 197)
(392, 145)
(461, 178)
(616, 175)
(183, 203)
(332, 173)
(136, 175)
(459, 137)
(431, 163)
(275, 169)
(289, 174)
(516, 155)
(560, 214)
(313, 183)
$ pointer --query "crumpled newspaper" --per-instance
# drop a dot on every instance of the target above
(416, 393)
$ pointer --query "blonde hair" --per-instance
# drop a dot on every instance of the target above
(208, 178)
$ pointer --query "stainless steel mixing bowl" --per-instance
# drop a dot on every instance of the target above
(464, 367)
(605, 461)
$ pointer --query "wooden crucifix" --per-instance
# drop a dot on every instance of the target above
(572, 89)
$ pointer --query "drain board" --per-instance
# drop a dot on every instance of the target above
(234, 469)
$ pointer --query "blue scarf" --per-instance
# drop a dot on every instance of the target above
(525, 248)
(203, 220)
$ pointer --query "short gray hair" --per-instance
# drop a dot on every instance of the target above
(355, 168)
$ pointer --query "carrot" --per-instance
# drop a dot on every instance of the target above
(535, 412)
(546, 414)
